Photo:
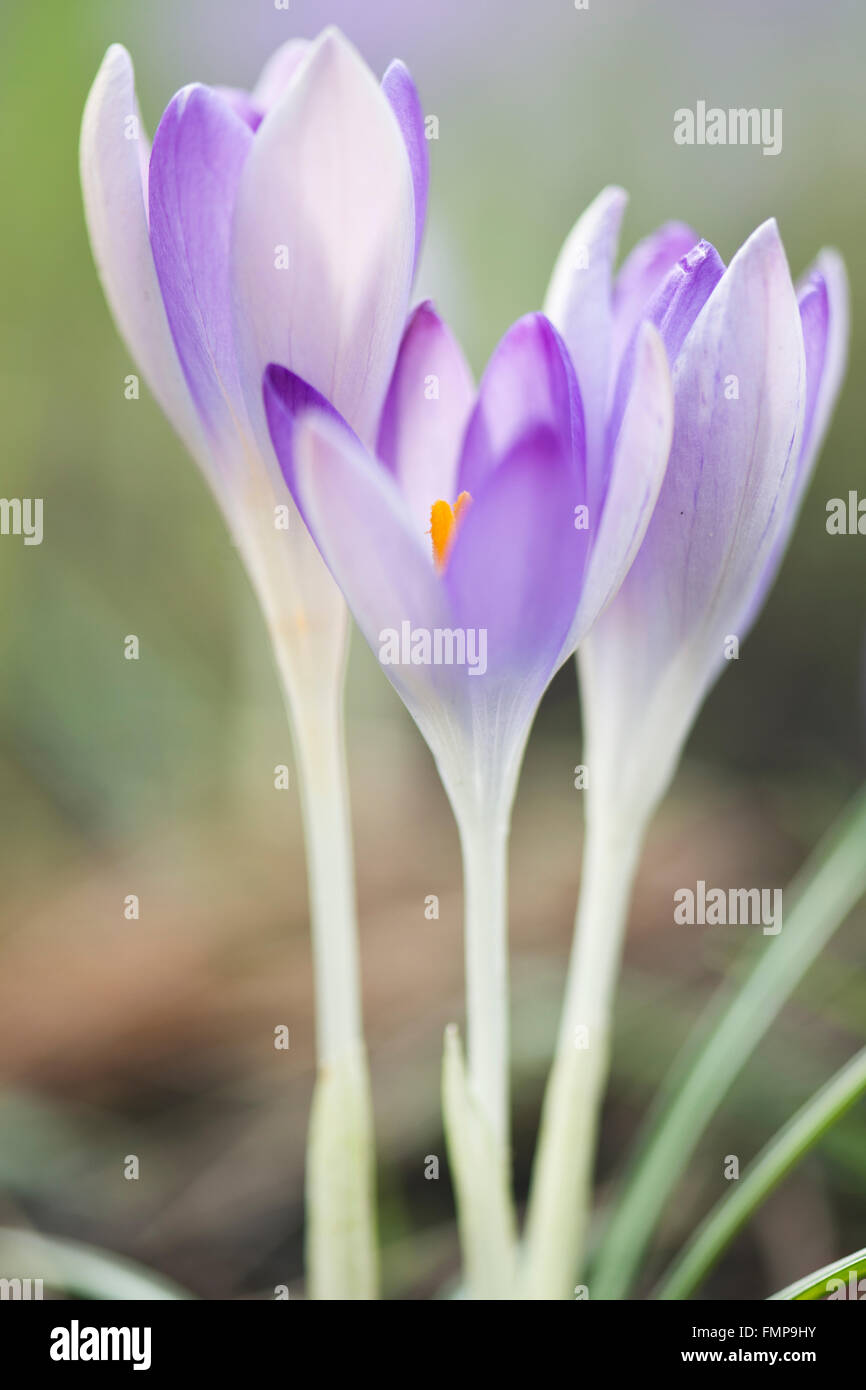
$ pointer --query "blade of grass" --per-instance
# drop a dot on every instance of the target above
(814, 1285)
(83, 1270)
(825, 891)
(774, 1161)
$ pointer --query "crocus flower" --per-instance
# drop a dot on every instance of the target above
(472, 559)
(756, 368)
(279, 225)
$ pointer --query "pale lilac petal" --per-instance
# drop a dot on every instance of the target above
(579, 303)
(823, 296)
(673, 310)
(683, 294)
(639, 459)
(529, 381)
(198, 153)
(642, 275)
(823, 300)
(364, 532)
(402, 93)
(115, 207)
(278, 72)
(242, 105)
(426, 410)
(326, 192)
(517, 563)
(287, 399)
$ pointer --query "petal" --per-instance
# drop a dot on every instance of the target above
(529, 382)
(640, 457)
(278, 72)
(242, 105)
(323, 238)
(683, 294)
(364, 532)
(643, 273)
(518, 561)
(673, 310)
(425, 414)
(287, 398)
(823, 300)
(402, 93)
(579, 304)
(199, 151)
(114, 201)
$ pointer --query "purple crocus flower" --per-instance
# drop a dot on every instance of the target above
(756, 367)
(475, 549)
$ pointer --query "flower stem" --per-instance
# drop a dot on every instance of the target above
(341, 1218)
(484, 842)
(560, 1194)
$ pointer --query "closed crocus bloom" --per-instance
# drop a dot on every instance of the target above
(756, 367)
(473, 563)
(279, 225)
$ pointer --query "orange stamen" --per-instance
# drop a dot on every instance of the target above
(443, 527)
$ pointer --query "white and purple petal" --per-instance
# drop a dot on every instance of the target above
(579, 303)
(641, 276)
(518, 561)
(402, 93)
(639, 458)
(529, 383)
(425, 414)
(323, 238)
(277, 73)
(113, 164)
(198, 154)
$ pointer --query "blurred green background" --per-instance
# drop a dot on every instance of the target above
(155, 1037)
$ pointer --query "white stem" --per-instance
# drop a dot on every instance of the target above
(484, 841)
(562, 1175)
(321, 764)
(342, 1259)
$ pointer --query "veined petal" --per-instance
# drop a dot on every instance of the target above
(112, 165)
(359, 521)
(402, 93)
(579, 303)
(640, 457)
(323, 238)
(673, 310)
(682, 295)
(823, 300)
(242, 104)
(198, 153)
(642, 274)
(287, 398)
(278, 72)
(425, 414)
(518, 561)
(529, 382)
